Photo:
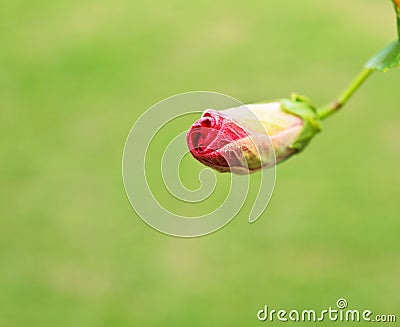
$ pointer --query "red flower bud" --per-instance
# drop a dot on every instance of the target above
(247, 138)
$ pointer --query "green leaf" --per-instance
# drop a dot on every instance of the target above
(301, 107)
(385, 59)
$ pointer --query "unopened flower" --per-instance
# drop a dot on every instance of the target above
(247, 138)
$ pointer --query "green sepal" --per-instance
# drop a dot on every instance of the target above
(385, 59)
(301, 106)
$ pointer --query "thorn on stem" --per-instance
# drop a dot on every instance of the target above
(336, 104)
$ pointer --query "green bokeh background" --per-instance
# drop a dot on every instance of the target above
(74, 77)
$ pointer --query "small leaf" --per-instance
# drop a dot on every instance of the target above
(388, 58)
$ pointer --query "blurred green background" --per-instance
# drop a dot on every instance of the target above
(74, 77)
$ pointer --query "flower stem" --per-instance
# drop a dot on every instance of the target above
(397, 8)
(334, 106)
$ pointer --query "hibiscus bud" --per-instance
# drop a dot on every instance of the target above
(247, 138)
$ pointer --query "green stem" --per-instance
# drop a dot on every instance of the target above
(384, 60)
(331, 108)
(396, 4)
(398, 26)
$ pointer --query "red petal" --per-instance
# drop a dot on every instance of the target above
(209, 134)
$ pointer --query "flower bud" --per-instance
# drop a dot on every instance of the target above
(247, 138)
